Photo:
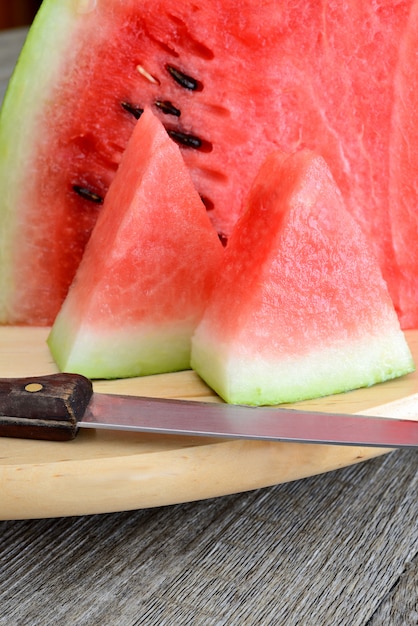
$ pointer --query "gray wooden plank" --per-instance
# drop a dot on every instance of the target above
(325, 550)
(337, 549)
(11, 43)
(400, 605)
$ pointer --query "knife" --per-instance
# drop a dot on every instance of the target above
(55, 406)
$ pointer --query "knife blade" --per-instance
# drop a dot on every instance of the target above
(55, 406)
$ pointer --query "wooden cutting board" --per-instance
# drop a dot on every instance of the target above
(107, 471)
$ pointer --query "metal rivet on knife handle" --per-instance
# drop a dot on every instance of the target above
(43, 407)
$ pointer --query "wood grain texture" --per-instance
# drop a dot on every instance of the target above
(339, 549)
(400, 605)
(104, 471)
(334, 549)
(11, 42)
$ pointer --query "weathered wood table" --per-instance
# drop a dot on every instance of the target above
(339, 548)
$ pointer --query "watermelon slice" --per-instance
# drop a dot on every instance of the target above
(147, 270)
(300, 308)
(231, 80)
(403, 185)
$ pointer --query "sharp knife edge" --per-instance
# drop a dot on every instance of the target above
(373, 427)
(54, 406)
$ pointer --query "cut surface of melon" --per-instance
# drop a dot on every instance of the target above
(300, 308)
(231, 80)
(145, 277)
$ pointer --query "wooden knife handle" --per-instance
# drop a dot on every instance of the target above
(43, 407)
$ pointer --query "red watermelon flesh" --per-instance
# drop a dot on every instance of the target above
(148, 268)
(403, 183)
(299, 308)
(233, 80)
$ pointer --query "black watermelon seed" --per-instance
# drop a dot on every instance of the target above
(167, 107)
(208, 203)
(86, 194)
(132, 109)
(183, 139)
(183, 79)
(223, 239)
(189, 141)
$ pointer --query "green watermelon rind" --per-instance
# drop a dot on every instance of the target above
(154, 350)
(300, 309)
(257, 380)
(147, 270)
(23, 102)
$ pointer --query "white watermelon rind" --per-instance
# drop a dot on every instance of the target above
(27, 91)
(134, 352)
(255, 379)
(37, 72)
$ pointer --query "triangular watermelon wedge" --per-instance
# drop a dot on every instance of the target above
(300, 308)
(147, 271)
(231, 81)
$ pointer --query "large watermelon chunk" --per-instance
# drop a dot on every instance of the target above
(231, 80)
(147, 270)
(300, 308)
(403, 184)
